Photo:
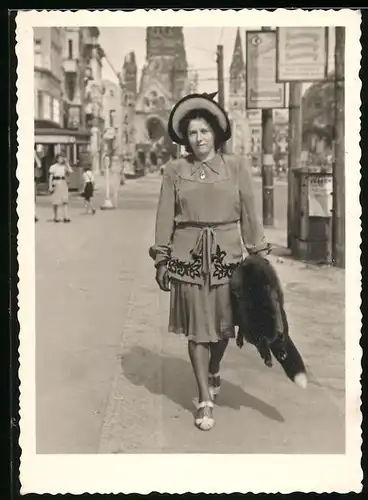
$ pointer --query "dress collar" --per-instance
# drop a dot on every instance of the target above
(214, 163)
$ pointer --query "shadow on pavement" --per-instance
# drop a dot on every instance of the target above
(173, 377)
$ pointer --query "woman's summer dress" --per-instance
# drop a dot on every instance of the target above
(205, 210)
(60, 194)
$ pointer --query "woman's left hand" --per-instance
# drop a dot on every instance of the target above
(162, 278)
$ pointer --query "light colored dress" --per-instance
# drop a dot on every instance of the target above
(60, 194)
(205, 212)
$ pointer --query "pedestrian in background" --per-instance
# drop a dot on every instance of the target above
(58, 186)
(88, 189)
(204, 197)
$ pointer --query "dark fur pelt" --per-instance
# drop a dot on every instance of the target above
(258, 305)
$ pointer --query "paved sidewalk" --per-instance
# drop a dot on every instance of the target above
(110, 379)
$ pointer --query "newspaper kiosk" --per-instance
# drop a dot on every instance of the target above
(312, 220)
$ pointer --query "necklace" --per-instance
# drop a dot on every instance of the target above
(202, 174)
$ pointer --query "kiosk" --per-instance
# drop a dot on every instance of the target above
(312, 216)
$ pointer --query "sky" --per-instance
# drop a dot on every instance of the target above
(200, 44)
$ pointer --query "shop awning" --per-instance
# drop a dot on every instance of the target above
(61, 136)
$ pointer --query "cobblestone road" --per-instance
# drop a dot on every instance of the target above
(110, 379)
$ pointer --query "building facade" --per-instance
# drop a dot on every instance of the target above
(112, 116)
(240, 142)
(54, 132)
(68, 97)
(164, 80)
(48, 76)
(128, 127)
(93, 93)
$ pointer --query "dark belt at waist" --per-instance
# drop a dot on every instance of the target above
(204, 225)
(58, 178)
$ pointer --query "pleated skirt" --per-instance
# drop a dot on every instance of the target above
(202, 313)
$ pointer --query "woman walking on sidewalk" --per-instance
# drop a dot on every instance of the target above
(204, 198)
(59, 187)
(88, 188)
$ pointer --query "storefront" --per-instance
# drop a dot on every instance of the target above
(74, 144)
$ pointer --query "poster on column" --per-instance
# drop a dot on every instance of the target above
(301, 54)
(263, 92)
(320, 196)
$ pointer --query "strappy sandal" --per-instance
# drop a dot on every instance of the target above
(214, 384)
(204, 416)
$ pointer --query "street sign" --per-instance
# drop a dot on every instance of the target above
(302, 54)
(263, 91)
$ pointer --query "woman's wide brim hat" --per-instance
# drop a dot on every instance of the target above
(199, 102)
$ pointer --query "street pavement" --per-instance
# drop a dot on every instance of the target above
(110, 379)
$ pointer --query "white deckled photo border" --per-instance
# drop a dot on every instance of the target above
(143, 474)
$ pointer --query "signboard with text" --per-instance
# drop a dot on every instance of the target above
(262, 89)
(302, 54)
(320, 196)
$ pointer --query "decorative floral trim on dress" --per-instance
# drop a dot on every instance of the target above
(193, 268)
(182, 268)
(222, 270)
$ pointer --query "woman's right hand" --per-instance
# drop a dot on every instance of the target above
(162, 278)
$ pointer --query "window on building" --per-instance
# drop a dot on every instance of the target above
(70, 49)
(56, 110)
(40, 105)
(37, 53)
(111, 93)
(46, 107)
(112, 118)
(70, 86)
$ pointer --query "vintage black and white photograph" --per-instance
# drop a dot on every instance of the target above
(189, 250)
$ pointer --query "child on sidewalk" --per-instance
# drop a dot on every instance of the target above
(88, 189)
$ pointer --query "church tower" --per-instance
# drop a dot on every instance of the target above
(240, 136)
(163, 83)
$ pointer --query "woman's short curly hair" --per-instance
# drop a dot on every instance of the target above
(209, 118)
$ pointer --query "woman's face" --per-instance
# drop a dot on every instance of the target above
(201, 137)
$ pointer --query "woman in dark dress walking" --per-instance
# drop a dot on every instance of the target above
(206, 209)
(88, 188)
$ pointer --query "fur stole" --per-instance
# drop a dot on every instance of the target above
(258, 306)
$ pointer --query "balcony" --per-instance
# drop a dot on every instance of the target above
(70, 66)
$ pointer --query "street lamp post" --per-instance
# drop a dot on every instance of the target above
(107, 204)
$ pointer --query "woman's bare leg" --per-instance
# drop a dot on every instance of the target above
(199, 356)
(55, 209)
(65, 207)
(217, 350)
